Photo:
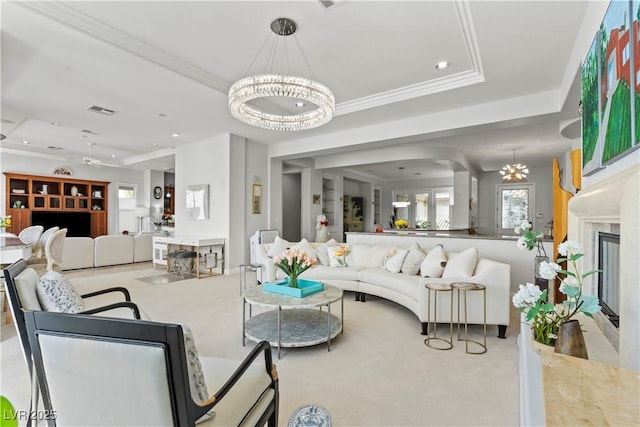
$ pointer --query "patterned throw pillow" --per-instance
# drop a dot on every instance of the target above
(56, 293)
(434, 263)
(338, 255)
(197, 384)
(392, 262)
(412, 261)
(323, 254)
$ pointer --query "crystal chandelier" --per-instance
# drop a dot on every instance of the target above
(246, 91)
(514, 172)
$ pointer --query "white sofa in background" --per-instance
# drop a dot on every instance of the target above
(364, 275)
(113, 249)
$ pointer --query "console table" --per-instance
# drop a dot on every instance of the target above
(209, 251)
(295, 322)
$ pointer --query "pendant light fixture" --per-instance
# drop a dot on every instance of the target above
(401, 203)
(514, 172)
(298, 92)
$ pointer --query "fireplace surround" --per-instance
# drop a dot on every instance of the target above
(608, 205)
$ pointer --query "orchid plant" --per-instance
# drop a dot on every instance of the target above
(294, 262)
(545, 318)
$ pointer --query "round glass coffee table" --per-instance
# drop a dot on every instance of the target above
(294, 322)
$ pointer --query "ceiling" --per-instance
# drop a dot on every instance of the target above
(165, 68)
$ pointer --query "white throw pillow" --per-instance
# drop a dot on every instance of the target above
(197, 384)
(322, 254)
(56, 293)
(434, 263)
(304, 246)
(338, 255)
(394, 259)
(462, 264)
(278, 246)
(412, 261)
(361, 253)
(377, 254)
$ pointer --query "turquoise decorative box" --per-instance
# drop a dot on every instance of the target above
(304, 289)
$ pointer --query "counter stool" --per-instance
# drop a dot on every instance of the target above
(436, 288)
(180, 262)
(243, 274)
(466, 287)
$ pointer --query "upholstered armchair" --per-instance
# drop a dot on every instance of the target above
(132, 373)
(20, 287)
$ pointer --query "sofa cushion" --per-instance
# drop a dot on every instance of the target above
(322, 254)
(278, 246)
(412, 261)
(402, 283)
(462, 264)
(142, 247)
(78, 253)
(305, 247)
(324, 272)
(26, 284)
(360, 254)
(113, 249)
(338, 255)
(434, 263)
(56, 293)
(392, 262)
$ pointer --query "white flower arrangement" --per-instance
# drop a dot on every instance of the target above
(546, 318)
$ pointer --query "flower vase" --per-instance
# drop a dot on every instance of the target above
(292, 281)
(541, 282)
(570, 340)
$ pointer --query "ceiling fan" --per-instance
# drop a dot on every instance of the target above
(92, 161)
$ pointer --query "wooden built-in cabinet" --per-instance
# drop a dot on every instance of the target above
(28, 193)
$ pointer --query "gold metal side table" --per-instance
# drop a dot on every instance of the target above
(466, 287)
(433, 336)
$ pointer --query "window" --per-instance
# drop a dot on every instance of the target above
(430, 208)
(127, 202)
(515, 205)
(625, 54)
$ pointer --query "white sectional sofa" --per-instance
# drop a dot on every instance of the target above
(114, 249)
(365, 275)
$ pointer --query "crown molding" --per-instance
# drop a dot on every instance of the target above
(67, 15)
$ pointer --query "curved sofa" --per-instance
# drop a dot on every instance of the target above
(364, 276)
(112, 249)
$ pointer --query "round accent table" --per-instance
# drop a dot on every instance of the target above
(294, 322)
(465, 288)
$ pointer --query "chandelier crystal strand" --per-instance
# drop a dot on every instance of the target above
(267, 85)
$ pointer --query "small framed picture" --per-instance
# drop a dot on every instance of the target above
(256, 199)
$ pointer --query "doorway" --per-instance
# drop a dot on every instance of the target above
(291, 207)
(515, 204)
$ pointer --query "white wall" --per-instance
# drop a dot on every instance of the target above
(29, 165)
(257, 171)
(487, 182)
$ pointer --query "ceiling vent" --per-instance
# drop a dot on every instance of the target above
(90, 132)
(53, 147)
(7, 121)
(102, 110)
(330, 4)
(2, 136)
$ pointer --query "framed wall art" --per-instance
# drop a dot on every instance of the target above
(256, 199)
(198, 202)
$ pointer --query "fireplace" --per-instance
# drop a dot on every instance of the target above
(609, 276)
(78, 224)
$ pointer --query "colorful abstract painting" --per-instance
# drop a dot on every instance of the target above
(591, 140)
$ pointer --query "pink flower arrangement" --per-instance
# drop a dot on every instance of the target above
(294, 262)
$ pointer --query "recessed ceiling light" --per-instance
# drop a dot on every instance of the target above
(442, 65)
(154, 144)
(162, 115)
(25, 142)
(55, 123)
(300, 104)
(175, 134)
(113, 156)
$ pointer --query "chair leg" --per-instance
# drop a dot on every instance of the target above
(35, 396)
